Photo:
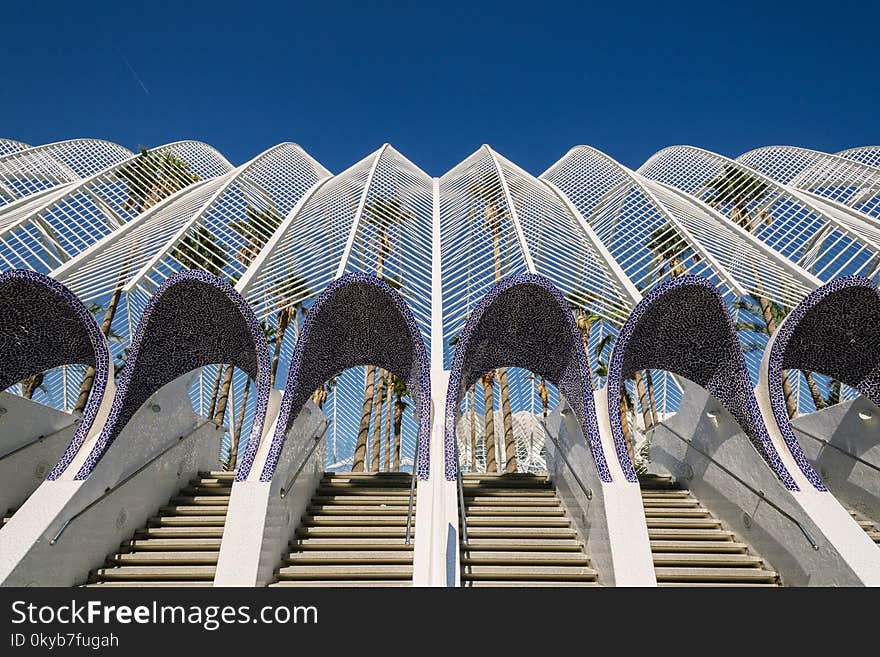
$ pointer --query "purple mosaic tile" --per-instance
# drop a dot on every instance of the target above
(43, 325)
(194, 319)
(356, 320)
(683, 326)
(834, 331)
(524, 321)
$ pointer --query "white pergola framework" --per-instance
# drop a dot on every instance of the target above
(219, 224)
(834, 178)
(106, 222)
(869, 155)
(374, 217)
(826, 241)
(32, 170)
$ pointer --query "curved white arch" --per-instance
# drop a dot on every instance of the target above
(8, 146)
(834, 178)
(869, 155)
(796, 224)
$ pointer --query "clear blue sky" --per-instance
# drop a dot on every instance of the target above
(439, 79)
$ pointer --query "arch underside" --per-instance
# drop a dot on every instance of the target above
(357, 320)
(43, 325)
(523, 322)
(834, 331)
(682, 326)
(193, 320)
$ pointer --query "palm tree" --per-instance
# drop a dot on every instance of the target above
(377, 425)
(400, 394)
(772, 314)
(152, 177)
(383, 213)
(487, 192)
(668, 247)
(389, 391)
(488, 383)
(738, 189)
(473, 429)
(625, 400)
(580, 301)
(543, 393)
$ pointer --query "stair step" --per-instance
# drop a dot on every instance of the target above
(157, 573)
(343, 583)
(359, 509)
(201, 500)
(503, 500)
(517, 478)
(162, 544)
(719, 575)
(364, 500)
(356, 521)
(206, 491)
(151, 584)
(520, 532)
(522, 544)
(350, 544)
(153, 558)
(509, 492)
(517, 521)
(475, 583)
(683, 523)
(346, 572)
(194, 510)
(704, 547)
(682, 534)
(352, 532)
(532, 511)
(355, 489)
(708, 560)
(521, 558)
(671, 503)
(180, 532)
(469, 572)
(187, 521)
(316, 557)
(227, 475)
(674, 494)
(666, 512)
(716, 584)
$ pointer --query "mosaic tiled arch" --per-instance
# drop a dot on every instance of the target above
(524, 321)
(356, 320)
(44, 325)
(834, 331)
(683, 326)
(194, 319)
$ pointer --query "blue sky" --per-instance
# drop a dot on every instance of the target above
(439, 79)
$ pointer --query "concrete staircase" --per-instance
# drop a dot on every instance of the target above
(180, 545)
(519, 535)
(690, 546)
(869, 526)
(353, 534)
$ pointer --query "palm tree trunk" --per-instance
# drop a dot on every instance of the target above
(507, 420)
(624, 423)
(233, 451)
(223, 400)
(473, 430)
(651, 398)
(283, 321)
(489, 419)
(377, 426)
(770, 323)
(216, 389)
(388, 393)
(89, 380)
(585, 329)
(814, 391)
(360, 449)
(33, 382)
(398, 424)
(643, 399)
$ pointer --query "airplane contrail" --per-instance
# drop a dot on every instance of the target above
(133, 72)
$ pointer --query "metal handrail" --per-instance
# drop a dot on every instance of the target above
(122, 483)
(412, 491)
(588, 492)
(286, 488)
(757, 492)
(461, 510)
(839, 449)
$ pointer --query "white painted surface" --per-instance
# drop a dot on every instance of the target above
(260, 522)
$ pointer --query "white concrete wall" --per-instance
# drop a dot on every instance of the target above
(260, 522)
(843, 444)
(611, 523)
(779, 541)
(173, 441)
(32, 439)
